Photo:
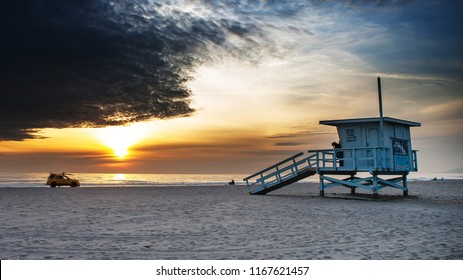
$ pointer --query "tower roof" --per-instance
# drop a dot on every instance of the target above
(370, 120)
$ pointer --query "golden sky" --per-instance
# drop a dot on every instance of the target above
(257, 99)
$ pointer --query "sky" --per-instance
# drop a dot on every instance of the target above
(177, 86)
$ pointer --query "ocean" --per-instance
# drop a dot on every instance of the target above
(38, 179)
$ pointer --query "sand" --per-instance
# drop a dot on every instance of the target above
(225, 223)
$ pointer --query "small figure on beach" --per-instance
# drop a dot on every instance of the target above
(231, 183)
(339, 154)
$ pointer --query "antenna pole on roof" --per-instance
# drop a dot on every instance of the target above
(381, 118)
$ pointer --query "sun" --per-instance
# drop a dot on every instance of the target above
(121, 152)
(121, 138)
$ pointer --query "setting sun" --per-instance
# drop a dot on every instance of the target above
(120, 152)
(121, 138)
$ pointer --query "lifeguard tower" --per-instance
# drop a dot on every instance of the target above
(377, 146)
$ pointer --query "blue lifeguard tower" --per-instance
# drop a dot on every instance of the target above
(376, 146)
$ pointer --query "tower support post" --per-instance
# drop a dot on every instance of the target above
(405, 185)
(322, 186)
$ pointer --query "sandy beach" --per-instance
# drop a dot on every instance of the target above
(223, 222)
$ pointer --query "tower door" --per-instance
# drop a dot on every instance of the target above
(372, 137)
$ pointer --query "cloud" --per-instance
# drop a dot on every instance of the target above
(288, 144)
(98, 63)
(301, 130)
(448, 111)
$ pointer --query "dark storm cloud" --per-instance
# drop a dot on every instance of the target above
(69, 63)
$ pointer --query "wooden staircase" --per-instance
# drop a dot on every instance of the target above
(280, 175)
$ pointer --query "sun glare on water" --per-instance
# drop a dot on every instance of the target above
(121, 138)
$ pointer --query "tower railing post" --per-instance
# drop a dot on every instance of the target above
(295, 165)
(318, 161)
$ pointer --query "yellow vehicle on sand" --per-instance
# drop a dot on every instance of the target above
(61, 179)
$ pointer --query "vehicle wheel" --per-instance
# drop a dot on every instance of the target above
(73, 184)
(53, 184)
